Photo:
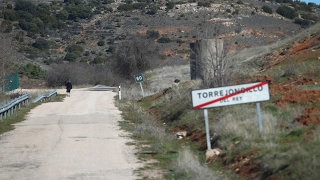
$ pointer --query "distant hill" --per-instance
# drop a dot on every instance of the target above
(94, 32)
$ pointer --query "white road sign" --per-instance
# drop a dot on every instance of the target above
(230, 95)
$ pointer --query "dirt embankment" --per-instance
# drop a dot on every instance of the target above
(299, 91)
(292, 92)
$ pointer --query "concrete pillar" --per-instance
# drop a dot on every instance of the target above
(203, 57)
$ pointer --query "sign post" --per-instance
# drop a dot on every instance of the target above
(230, 95)
(142, 90)
(206, 121)
(139, 79)
(259, 117)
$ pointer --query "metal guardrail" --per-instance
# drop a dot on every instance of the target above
(42, 98)
(102, 88)
(9, 108)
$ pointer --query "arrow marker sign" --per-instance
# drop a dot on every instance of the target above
(230, 95)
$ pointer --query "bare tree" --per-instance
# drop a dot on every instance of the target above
(209, 61)
(135, 55)
(79, 74)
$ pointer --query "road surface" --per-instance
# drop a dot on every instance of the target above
(78, 138)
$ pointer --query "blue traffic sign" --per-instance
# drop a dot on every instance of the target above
(138, 78)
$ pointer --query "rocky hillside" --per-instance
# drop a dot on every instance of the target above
(95, 32)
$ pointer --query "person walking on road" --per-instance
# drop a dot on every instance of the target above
(68, 87)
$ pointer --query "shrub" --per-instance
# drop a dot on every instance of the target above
(70, 56)
(304, 8)
(75, 2)
(311, 4)
(20, 36)
(164, 40)
(170, 5)
(290, 71)
(284, 1)
(107, 1)
(180, 41)
(9, 15)
(23, 15)
(6, 26)
(309, 16)
(267, 9)
(87, 53)
(302, 22)
(101, 43)
(58, 25)
(236, 12)
(287, 12)
(98, 60)
(153, 34)
(140, 6)
(153, 10)
(32, 71)
(26, 6)
(63, 15)
(125, 7)
(111, 49)
(239, 2)
(110, 41)
(81, 12)
(9, 6)
(74, 48)
(47, 19)
(29, 26)
(204, 4)
(41, 44)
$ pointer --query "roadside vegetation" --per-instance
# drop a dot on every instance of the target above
(286, 148)
(7, 124)
(101, 42)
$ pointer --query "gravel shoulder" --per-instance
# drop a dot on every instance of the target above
(78, 138)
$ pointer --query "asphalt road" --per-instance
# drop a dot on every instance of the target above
(78, 138)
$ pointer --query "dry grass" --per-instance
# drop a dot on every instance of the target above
(282, 148)
(247, 59)
(32, 93)
(159, 79)
(188, 167)
(242, 122)
(148, 127)
(156, 81)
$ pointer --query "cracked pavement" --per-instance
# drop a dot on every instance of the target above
(78, 138)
